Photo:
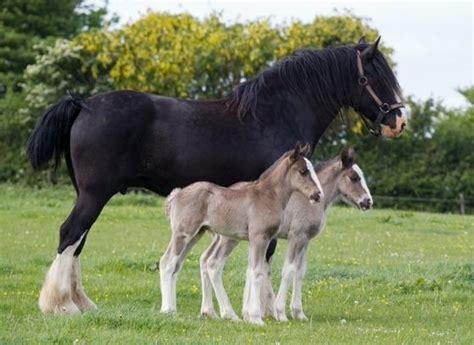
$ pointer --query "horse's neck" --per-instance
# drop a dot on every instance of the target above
(274, 186)
(309, 119)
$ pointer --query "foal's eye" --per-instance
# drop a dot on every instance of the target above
(304, 172)
(355, 178)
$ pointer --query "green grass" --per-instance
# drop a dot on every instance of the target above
(385, 277)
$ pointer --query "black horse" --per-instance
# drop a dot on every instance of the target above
(123, 139)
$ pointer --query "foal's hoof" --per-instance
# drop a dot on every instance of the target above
(208, 314)
(168, 311)
(256, 320)
(280, 316)
(300, 316)
(230, 316)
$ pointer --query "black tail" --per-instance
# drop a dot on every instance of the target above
(51, 135)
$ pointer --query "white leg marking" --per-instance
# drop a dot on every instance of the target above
(280, 302)
(207, 304)
(79, 296)
(168, 282)
(296, 301)
(215, 270)
(56, 294)
(267, 295)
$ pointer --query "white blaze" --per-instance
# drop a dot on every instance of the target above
(359, 172)
(313, 175)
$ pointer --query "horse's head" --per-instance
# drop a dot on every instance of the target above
(301, 173)
(377, 96)
(351, 183)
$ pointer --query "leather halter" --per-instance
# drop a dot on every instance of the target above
(384, 108)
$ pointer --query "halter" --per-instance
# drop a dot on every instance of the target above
(384, 108)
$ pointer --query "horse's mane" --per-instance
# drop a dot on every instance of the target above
(324, 75)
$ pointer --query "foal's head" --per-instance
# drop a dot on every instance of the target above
(351, 182)
(301, 174)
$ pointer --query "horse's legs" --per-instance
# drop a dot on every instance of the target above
(215, 266)
(288, 271)
(170, 266)
(62, 284)
(258, 247)
(207, 304)
(296, 300)
(79, 296)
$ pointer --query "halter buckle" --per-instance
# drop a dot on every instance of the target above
(384, 108)
(363, 80)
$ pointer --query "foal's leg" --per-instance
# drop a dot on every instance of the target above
(62, 288)
(289, 269)
(207, 304)
(170, 266)
(296, 300)
(267, 295)
(215, 266)
(258, 247)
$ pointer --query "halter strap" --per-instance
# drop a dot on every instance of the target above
(384, 108)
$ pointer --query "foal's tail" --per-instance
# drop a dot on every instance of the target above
(51, 136)
(169, 201)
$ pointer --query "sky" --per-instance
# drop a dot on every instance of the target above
(433, 40)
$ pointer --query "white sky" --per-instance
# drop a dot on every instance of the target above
(433, 41)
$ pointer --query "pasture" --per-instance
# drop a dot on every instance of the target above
(383, 276)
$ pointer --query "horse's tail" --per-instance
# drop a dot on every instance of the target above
(169, 201)
(50, 138)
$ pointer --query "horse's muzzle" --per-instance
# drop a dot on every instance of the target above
(401, 123)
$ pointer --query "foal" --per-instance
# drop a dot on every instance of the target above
(301, 221)
(252, 212)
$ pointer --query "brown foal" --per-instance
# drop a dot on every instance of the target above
(252, 212)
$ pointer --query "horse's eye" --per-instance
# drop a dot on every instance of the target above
(355, 178)
(304, 172)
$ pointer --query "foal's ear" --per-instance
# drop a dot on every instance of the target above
(368, 52)
(296, 154)
(306, 150)
(347, 157)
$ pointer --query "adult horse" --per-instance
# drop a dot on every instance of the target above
(123, 139)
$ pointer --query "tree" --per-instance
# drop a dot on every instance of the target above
(24, 23)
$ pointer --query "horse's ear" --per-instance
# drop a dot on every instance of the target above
(362, 40)
(306, 150)
(347, 157)
(296, 154)
(368, 52)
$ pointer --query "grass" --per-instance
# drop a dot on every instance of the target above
(384, 277)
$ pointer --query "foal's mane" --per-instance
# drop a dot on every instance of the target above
(325, 76)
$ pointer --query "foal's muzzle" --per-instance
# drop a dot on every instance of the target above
(315, 197)
(365, 204)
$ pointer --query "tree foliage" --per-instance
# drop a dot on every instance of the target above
(180, 55)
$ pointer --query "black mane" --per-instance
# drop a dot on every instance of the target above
(325, 76)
